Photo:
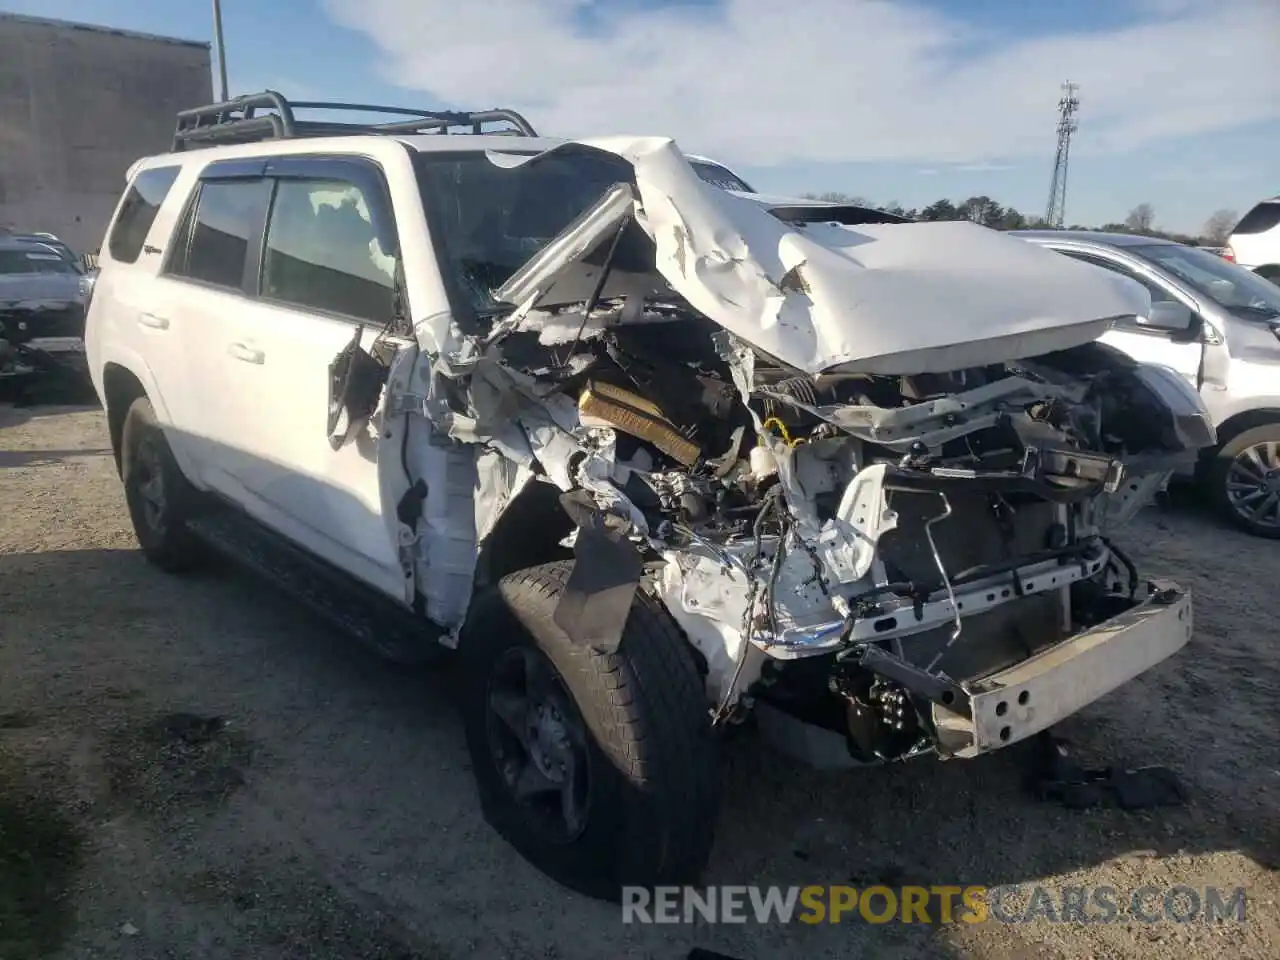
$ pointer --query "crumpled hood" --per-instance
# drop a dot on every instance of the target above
(877, 298)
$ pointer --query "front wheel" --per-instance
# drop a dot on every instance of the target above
(1244, 480)
(599, 768)
(159, 498)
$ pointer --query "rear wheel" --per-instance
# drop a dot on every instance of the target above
(159, 498)
(600, 769)
(1244, 480)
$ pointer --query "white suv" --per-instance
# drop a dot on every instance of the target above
(651, 456)
(1218, 326)
(1255, 242)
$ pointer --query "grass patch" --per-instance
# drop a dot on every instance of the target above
(40, 851)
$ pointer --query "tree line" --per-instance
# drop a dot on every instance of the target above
(989, 213)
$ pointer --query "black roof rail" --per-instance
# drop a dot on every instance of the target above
(239, 121)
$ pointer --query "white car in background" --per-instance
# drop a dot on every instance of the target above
(1219, 327)
(1255, 242)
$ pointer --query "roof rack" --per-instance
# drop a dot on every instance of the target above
(238, 121)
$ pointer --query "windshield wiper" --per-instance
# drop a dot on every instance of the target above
(1266, 313)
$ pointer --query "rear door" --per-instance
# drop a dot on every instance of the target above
(203, 299)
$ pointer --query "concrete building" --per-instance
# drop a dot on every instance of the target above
(78, 104)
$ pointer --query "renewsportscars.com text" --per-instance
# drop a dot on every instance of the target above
(939, 904)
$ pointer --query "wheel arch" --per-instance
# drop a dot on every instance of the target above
(120, 388)
(1238, 423)
(528, 534)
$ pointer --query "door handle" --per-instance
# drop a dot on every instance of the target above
(152, 321)
(242, 351)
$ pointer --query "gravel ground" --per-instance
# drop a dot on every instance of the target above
(195, 768)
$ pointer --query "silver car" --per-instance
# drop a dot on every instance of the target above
(1218, 325)
(42, 295)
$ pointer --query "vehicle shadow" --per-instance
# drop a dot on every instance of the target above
(71, 387)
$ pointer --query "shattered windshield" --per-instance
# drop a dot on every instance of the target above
(1241, 291)
(488, 217)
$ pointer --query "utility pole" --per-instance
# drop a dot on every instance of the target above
(222, 49)
(1055, 215)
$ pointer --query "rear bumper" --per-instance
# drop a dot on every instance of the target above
(1033, 695)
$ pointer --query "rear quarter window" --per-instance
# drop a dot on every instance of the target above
(1260, 219)
(138, 212)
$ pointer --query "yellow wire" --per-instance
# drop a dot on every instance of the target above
(782, 429)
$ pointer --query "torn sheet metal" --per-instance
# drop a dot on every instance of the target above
(445, 549)
(877, 298)
(596, 602)
(775, 512)
(708, 595)
(499, 480)
(847, 543)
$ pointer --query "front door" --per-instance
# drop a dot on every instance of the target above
(291, 258)
(328, 273)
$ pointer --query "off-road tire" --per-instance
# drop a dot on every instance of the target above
(654, 775)
(162, 533)
(1219, 467)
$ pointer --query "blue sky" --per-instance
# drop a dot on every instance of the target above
(905, 100)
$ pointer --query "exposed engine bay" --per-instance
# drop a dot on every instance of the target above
(911, 562)
(903, 535)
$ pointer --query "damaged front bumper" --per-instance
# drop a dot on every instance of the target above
(1052, 685)
(988, 713)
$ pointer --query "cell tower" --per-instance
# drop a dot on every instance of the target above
(1067, 108)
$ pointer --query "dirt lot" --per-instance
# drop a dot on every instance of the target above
(194, 768)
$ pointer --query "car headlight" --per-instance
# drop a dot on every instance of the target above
(86, 288)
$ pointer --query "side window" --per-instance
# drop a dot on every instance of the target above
(1260, 219)
(138, 212)
(323, 251)
(1157, 293)
(222, 222)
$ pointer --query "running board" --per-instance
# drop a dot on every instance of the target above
(396, 633)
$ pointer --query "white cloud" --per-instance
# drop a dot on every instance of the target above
(983, 166)
(762, 82)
